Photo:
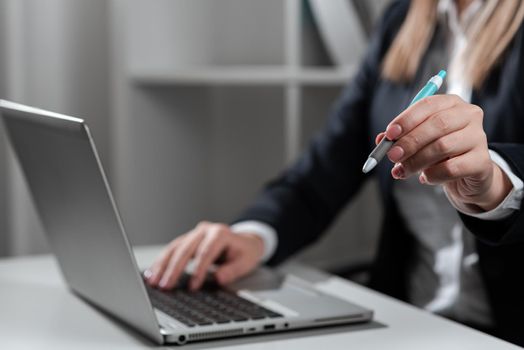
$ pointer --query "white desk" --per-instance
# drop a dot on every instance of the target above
(37, 311)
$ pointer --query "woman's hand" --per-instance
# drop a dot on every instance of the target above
(206, 243)
(441, 139)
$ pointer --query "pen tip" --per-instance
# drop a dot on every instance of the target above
(442, 74)
(369, 165)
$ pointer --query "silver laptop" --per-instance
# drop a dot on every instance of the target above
(72, 195)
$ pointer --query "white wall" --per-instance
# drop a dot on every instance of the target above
(3, 186)
(186, 153)
(74, 56)
(55, 56)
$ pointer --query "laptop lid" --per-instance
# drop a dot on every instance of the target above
(62, 168)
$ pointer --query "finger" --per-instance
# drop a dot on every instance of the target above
(159, 266)
(232, 270)
(418, 112)
(379, 137)
(448, 146)
(179, 260)
(207, 253)
(454, 168)
(435, 127)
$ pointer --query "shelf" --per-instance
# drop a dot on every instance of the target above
(325, 76)
(248, 75)
(258, 75)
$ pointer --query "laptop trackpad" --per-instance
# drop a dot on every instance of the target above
(290, 296)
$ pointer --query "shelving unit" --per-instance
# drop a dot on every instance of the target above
(213, 99)
(292, 74)
(292, 79)
(248, 76)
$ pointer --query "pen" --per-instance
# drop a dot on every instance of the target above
(385, 145)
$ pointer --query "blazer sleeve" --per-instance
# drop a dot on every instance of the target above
(305, 198)
(511, 229)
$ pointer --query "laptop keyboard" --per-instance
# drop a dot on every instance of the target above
(207, 307)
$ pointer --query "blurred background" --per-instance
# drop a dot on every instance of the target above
(194, 105)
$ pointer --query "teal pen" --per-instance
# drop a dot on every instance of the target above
(385, 145)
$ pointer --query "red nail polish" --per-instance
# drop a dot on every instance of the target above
(423, 179)
(398, 171)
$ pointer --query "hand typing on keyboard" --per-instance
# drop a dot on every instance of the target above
(206, 243)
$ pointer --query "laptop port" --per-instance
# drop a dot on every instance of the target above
(268, 327)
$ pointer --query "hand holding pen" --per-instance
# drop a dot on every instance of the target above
(385, 144)
(441, 138)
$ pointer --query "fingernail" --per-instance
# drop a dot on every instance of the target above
(393, 131)
(395, 154)
(398, 171)
(379, 137)
(163, 283)
(148, 274)
(221, 277)
(422, 178)
(193, 285)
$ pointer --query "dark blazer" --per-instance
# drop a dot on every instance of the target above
(304, 200)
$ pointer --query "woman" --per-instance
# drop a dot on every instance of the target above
(453, 232)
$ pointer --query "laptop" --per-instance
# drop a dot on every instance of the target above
(72, 195)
